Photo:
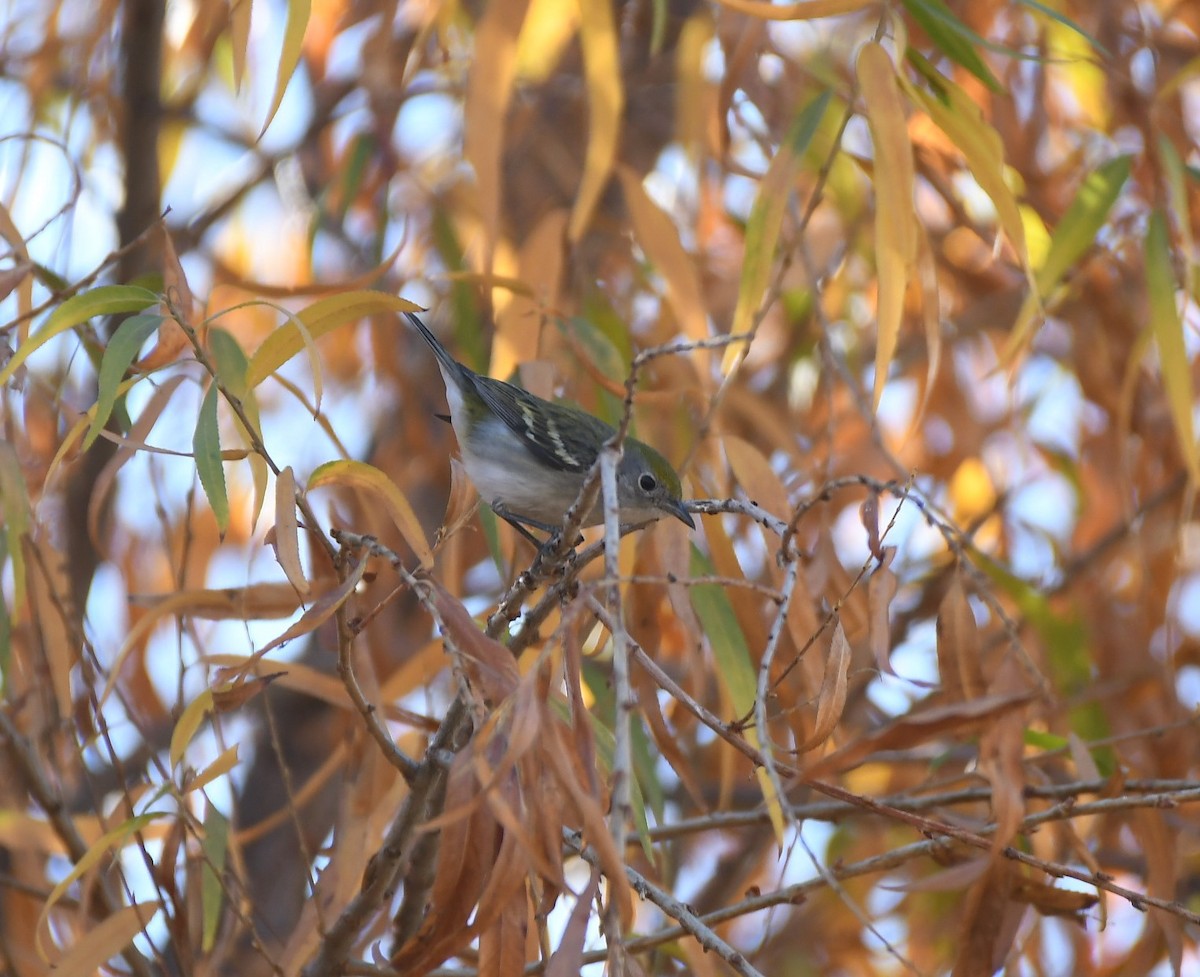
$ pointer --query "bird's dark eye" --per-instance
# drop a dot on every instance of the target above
(647, 482)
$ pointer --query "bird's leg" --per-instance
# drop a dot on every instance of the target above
(521, 524)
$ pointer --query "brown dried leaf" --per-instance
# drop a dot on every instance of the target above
(882, 585)
(502, 945)
(921, 727)
(832, 700)
(322, 609)
(1050, 900)
(989, 924)
(1001, 756)
(868, 512)
(958, 649)
(1159, 842)
(229, 696)
(492, 665)
(467, 848)
(595, 831)
(286, 537)
(175, 284)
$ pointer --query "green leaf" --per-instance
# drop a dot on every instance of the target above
(215, 846)
(206, 446)
(121, 351)
(724, 633)
(105, 300)
(1077, 230)
(1075, 233)
(953, 38)
(14, 505)
(231, 365)
(229, 361)
(1167, 326)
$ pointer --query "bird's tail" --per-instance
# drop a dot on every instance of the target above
(448, 364)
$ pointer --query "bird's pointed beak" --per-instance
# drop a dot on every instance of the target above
(675, 508)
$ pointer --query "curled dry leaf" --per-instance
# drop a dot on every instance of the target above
(959, 719)
(285, 540)
(832, 700)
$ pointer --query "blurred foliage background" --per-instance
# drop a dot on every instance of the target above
(920, 283)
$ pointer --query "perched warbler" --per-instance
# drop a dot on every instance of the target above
(529, 457)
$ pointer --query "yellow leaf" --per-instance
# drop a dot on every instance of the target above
(606, 103)
(219, 767)
(895, 218)
(357, 474)
(972, 493)
(549, 26)
(298, 12)
(189, 722)
(982, 148)
(321, 317)
(770, 795)
(108, 938)
(110, 842)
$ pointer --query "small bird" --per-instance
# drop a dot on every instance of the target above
(528, 457)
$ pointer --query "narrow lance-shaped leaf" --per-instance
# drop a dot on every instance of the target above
(357, 474)
(766, 220)
(959, 117)
(1167, 326)
(128, 339)
(322, 317)
(953, 38)
(107, 939)
(732, 655)
(206, 447)
(215, 846)
(231, 365)
(489, 89)
(606, 103)
(106, 300)
(298, 12)
(895, 216)
(1076, 232)
(14, 505)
